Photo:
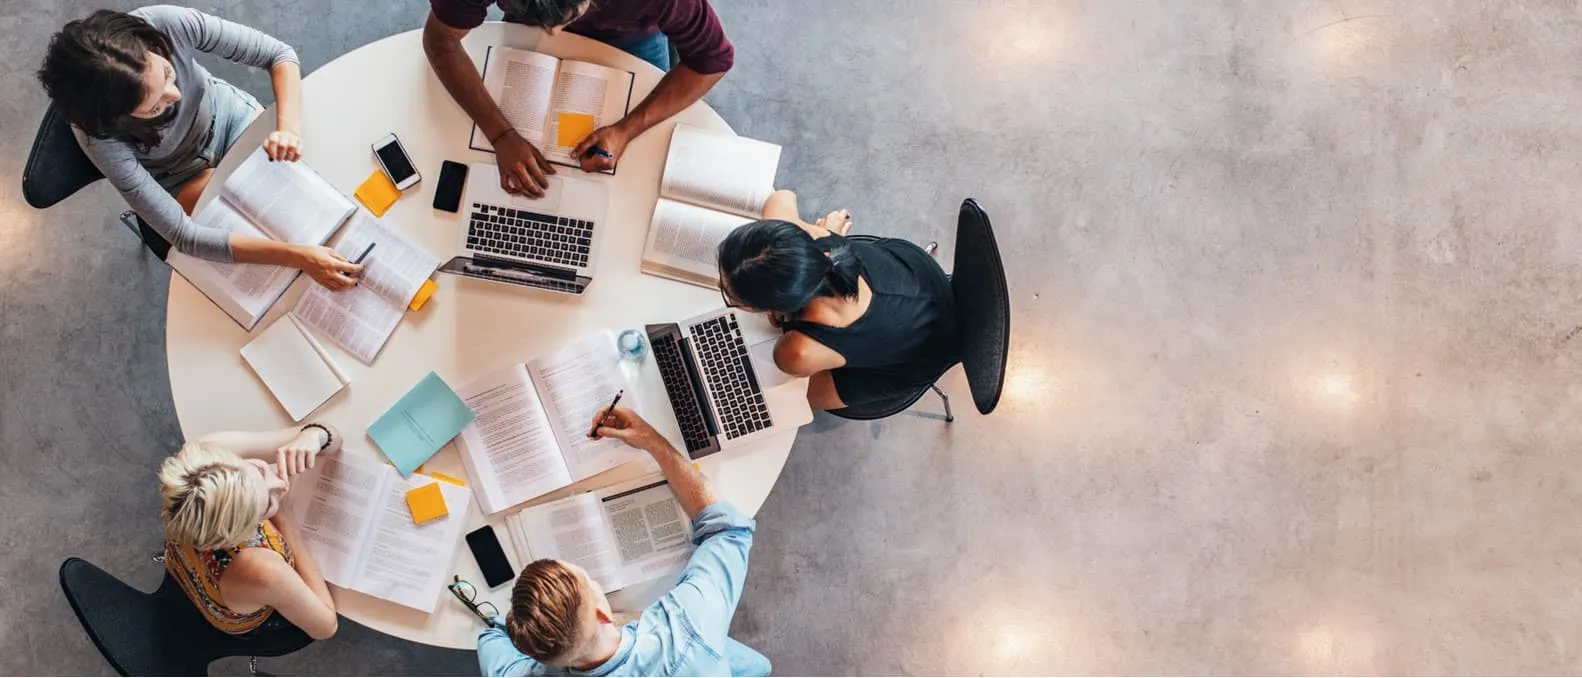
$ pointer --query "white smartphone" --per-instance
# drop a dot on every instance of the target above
(396, 163)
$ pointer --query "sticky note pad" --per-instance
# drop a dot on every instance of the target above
(423, 293)
(449, 479)
(377, 193)
(573, 128)
(426, 503)
(420, 423)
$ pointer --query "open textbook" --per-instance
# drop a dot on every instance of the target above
(534, 89)
(362, 318)
(353, 518)
(530, 436)
(622, 535)
(294, 367)
(285, 201)
(713, 182)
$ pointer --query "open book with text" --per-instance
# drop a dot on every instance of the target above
(533, 90)
(530, 435)
(713, 182)
(362, 318)
(285, 201)
(622, 535)
(353, 517)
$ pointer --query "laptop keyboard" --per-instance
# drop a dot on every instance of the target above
(529, 235)
(722, 354)
(668, 355)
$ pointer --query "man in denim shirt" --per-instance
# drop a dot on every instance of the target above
(561, 624)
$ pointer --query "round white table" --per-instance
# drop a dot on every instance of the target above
(469, 327)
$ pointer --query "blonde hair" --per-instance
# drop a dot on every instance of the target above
(211, 497)
(546, 608)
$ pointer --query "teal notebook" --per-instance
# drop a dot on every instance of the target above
(420, 423)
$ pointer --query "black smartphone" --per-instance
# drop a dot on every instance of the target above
(452, 178)
(491, 558)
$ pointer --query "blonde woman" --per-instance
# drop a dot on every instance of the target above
(221, 544)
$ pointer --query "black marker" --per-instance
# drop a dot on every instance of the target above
(595, 430)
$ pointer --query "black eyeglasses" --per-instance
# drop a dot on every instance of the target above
(727, 298)
(468, 595)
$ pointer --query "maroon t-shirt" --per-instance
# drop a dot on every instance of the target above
(690, 25)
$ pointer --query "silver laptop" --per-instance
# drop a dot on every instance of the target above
(722, 382)
(549, 243)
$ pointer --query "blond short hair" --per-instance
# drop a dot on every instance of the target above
(546, 607)
(211, 497)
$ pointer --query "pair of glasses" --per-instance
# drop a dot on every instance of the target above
(468, 595)
(726, 297)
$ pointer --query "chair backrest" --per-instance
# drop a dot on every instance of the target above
(983, 306)
(159, 633)
(56, 167)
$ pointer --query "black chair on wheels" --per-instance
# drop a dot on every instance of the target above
(983, 313)
(159, 633)
(57, 168)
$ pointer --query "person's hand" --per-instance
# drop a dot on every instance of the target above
(624, 425)
(778, 319)
(523, 170)
(298, 455)
(283, 145)
(837, 222)
(328, 268)
(612, 140)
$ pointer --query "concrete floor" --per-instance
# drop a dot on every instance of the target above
(1295, 318)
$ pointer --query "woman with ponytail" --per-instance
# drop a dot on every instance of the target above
(866, 321)
(221, 543)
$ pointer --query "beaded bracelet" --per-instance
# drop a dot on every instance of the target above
(328, 437)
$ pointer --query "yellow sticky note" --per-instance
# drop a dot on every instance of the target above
(449, 479)
(574, 127)
(377, 193)
(423, 293)
(426, 503)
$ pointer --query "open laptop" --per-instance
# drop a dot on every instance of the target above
(722, 382)
(550, 243)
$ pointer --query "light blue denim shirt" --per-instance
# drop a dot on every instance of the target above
(684, 633)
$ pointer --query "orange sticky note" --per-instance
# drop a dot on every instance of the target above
(573, 128)
(426, 503)
(448, 479)
(423, 293)
(377, 193)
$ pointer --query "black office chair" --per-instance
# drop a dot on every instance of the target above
(983, 313)
(56, 167)
(162, 633)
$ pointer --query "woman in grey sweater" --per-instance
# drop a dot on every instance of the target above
(155, 122)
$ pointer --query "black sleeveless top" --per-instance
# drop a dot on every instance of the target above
(907, 337)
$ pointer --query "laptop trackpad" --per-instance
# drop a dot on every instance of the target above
(549, 204)
(763, 354)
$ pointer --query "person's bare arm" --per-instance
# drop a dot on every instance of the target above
(293, 448)
(680, 88)
(299, 593)
(799, 355)
(692, 488)
(522, 166)
(326, 266)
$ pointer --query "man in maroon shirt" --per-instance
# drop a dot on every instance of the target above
(645, 28)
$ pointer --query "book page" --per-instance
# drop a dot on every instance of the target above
(509, 450)
(243, 291)
(395, 268)
(575, 383)
(651, 531)
(720, 171)
(286, 199)
(573, 529)
(406, 563)
(357, 319)
(521, 83)
(333, 506)
(686, 239)
(589, 89)
(296, 372)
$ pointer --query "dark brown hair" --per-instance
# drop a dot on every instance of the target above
(93, 73)
(546, 605)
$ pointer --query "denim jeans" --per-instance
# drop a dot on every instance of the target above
(654, 49)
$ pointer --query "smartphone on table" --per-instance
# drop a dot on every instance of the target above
(491, 558)
(396, 163)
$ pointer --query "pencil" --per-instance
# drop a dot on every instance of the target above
(593, 432)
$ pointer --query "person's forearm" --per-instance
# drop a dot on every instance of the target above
(461, 79)
(251, 249)
(691, 487)
(255, 444)
(680, 88)
(286, 78)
